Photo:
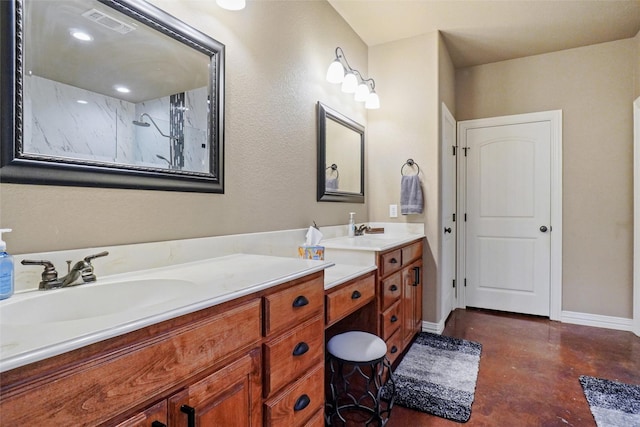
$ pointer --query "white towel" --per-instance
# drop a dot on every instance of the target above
(331, 184)
(410, 195)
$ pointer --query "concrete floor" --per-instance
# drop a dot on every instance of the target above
(529, 369)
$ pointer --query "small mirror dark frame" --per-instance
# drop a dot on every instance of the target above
(18, 167)
(326, 113)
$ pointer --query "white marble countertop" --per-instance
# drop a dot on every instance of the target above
(210, 282)
(371, 242)
(341, 273)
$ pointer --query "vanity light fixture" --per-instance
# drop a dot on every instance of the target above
(353, 81)
(232, 4)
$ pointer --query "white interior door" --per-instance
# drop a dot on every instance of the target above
(508, 211)
(448, 212)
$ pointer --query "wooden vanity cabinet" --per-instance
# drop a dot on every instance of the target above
(400, 296)
(253, 361)
(229, 397)
(293, 349)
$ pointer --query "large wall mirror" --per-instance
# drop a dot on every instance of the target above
(109, 93)
(340, 157)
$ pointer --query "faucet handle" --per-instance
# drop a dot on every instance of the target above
(98, 255)
(49, 275)
(87, 272)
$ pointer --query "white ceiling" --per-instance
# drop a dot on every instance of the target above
(480, 31)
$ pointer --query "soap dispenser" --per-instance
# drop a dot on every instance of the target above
(352, 224)
(6, 268)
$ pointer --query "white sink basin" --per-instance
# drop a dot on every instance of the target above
(92, 300)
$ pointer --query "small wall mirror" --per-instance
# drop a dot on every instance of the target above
(340, 157)
(109, 93)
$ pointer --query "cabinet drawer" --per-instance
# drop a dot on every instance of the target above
(298, 403)
(391, 289)
(411, 252)
(317, 420)
(394, 346)
(391, 320)
(348, 298)
(289, 356)
(292, 305)
(390, 262)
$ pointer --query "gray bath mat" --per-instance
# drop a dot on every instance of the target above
(612, 404)
(438, 376)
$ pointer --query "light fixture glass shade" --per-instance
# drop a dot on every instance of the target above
(231, 4)
(350, 83)
(373, 102)
(335, 73)
(362, 92)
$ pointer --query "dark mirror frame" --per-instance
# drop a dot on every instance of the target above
(326, 113)
(18, 167)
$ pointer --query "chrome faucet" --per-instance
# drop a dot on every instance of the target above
(359, 231)
(82, 268)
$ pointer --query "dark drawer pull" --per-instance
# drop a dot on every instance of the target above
(393, 261)
(416, 272)
(191, 415)
(302, 402)
(356, 295)
(301, 301)
(393, 288)
(394, 349)
(158, 424)
(300, 349)
(394, 318)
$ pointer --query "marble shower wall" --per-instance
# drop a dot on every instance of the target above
(65, 121)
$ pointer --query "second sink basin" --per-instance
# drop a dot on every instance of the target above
(93, 300)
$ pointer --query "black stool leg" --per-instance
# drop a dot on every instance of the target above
(344, 382)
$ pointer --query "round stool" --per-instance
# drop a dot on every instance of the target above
(359, 372)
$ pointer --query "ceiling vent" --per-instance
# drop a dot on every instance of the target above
(107, 21)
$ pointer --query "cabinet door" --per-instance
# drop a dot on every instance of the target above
(229, 397)
(411, 301)
(154, 416)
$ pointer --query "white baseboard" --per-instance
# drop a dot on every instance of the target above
(597, 320)
(434, 328)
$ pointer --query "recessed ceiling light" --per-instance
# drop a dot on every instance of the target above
(81, 35)
(81, 101)
(122, 89)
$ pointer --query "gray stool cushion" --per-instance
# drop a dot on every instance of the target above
(357, 346)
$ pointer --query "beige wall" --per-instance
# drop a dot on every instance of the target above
(594, 87)
(406, 126)
(277, 55)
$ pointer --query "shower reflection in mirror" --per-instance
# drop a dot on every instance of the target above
(167, 132)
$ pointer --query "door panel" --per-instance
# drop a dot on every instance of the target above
(447, 212)
(508, 201)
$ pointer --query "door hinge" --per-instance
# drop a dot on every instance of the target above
(465, 282)
(454, 217)
(454, 283)
(465, 217)
(454, 149)
(465, 150)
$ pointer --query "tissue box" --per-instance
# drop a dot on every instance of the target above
(311, 252)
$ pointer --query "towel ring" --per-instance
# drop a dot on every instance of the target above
(334, 168)
(409, 163)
